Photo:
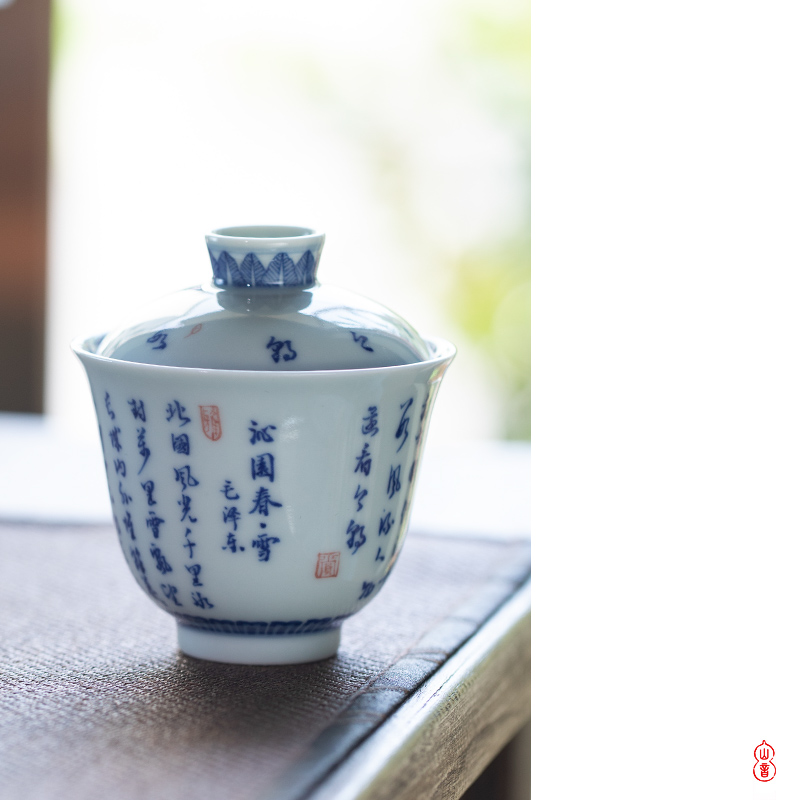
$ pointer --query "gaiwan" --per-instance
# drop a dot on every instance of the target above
(261, 435)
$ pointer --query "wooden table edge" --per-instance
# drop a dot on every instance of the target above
(445, 734)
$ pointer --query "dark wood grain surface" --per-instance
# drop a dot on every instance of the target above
(96, 700)
(446, 733)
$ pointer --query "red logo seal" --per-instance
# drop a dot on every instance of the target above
(327, 565)
(764, 770)
(212, 427)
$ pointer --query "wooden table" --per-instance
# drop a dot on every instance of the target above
(431, 681)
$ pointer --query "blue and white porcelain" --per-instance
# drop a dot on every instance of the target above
(261, 436)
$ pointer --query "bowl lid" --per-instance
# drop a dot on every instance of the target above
(265, 310)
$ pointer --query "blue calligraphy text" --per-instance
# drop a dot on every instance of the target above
(362, 340)
(229, 491)
(232, 545)
(421, 417)
(263, 466)
(180, 444)
(127, 521)
(194, 571)
(137, 409)
(149, 488)
(262, 545)
(186, 506)
(144, 450)
(159, 340)
(367, 588)
(364, 461)
(189, 543)
(171, 593)
(355, 536)
(262, 502)
(153, 522)
(137, 559)
(276, 347)
(386, 524)
(260, 434)
(200, 601)
(113, 434)
(394, 481)
(402, 428)
(111, 414)
(185, 478)
(178, 411)
(371, 420)
(231, 515)
(162, 565)
(359, 497)
(126, 498)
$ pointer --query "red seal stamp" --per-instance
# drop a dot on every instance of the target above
(764, 769)
(212, 427)
(327, 565)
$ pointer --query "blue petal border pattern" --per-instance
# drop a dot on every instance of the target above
(273, 628)
(280, 271)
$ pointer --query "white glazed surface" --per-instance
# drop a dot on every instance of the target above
(330, 454)
(276, 329)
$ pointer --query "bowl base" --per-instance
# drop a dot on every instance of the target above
(232, 648)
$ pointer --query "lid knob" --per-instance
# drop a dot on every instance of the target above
(264, 255)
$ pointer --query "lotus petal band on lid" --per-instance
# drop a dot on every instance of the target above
(264, 255)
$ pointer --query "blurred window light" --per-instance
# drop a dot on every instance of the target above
(400, 130)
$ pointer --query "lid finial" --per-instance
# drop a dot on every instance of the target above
(265, 255)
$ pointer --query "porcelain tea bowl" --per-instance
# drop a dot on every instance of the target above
(262, 503)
